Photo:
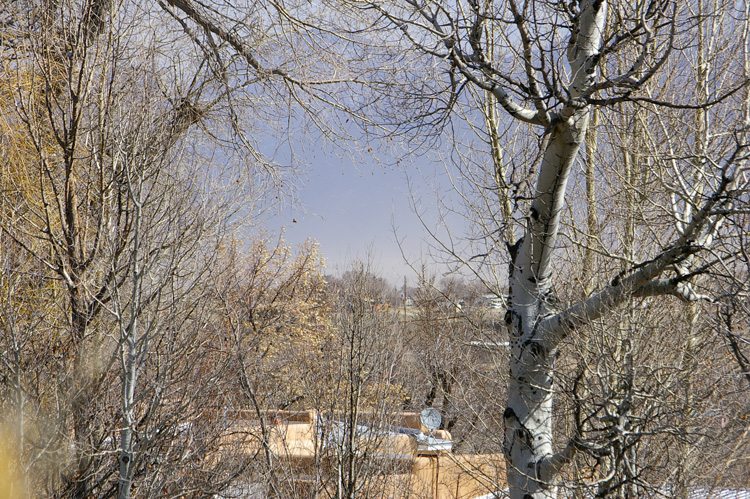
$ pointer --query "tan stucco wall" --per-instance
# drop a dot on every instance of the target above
(463, 476)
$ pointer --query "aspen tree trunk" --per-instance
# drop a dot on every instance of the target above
(592, 219)
(532, 464)
(129, 353)
(620, 381)
(494, 124)
(589, 257)
(705, 49)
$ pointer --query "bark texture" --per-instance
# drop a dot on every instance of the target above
(532, 463)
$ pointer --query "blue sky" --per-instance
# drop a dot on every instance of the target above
(355, 213)
(360, 212)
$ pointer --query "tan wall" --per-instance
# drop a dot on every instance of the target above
(464, 476)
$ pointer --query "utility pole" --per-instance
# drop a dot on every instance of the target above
(404, 299)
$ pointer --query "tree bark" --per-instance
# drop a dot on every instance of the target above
(532, 464)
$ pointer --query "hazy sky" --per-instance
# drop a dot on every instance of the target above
(358, 213)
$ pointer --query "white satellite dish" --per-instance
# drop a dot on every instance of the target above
(431, 418)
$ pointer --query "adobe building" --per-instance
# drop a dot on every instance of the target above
(407, 459)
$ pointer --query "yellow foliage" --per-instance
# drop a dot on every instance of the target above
(11, 478)
(16, 150)
(280, 314)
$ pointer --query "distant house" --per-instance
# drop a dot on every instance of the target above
(407, 300)
(422, 463)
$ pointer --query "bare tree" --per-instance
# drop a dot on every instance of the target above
(107, 218)
(547, 65)
(363, 392)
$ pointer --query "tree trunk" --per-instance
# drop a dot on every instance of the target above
(532, 464)
(528, 417)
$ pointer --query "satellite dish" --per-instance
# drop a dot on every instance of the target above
(431, 418)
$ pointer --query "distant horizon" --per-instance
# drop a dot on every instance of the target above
(358, 214)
